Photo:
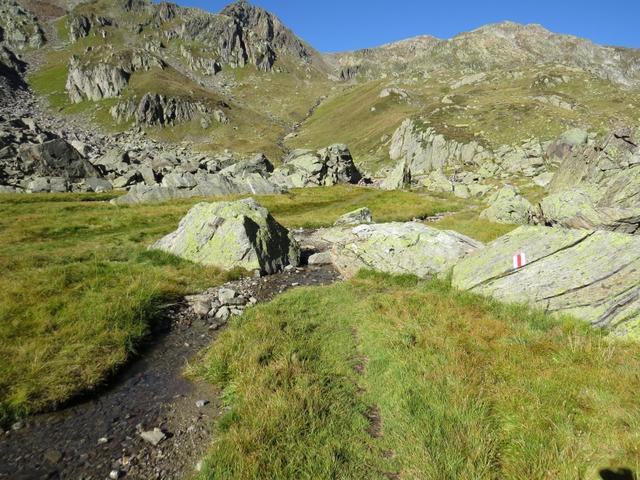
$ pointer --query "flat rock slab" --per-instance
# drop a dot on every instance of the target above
(398, 248)
(594, 276)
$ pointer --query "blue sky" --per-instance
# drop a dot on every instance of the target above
(334, 25)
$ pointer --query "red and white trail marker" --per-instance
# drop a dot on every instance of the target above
(519, 260)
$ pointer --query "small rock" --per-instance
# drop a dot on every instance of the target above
(202, 403)
(154, 437)
(322, 258)
(102, 440)
(53, 456)
(225, 295)
(114, 474)
(223, 314)
(17, 426)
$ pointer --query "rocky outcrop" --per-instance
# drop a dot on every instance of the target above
(576, 208)
(19, 29)
(597, 186)
(80, 26)
(11, 72)
(158, 110)
(509, 207)
(232, 235)
(357, 217)
(204, 63)
(594, 276)
(326, 167)
(108, 76)
(426, 151)
(398, 248)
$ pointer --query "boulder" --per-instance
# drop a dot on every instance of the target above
(398, 248)
(592, 275)
(228, 235)
(357, 217)
(509, 207)
(55, 158)
(259, 164)
(437, 182)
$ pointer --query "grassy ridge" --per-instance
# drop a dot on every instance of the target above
(79, 289)
(384, 377)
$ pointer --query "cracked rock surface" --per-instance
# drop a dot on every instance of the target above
(592, 275)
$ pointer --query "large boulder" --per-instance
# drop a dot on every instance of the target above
(594, 276)
(398, 248)
(228, 235)
(55, 158)
(509, 207)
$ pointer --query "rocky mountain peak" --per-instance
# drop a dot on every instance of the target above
(268, 28)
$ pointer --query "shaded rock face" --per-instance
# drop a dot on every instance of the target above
(55, 158)
(264, 35)
(231, 235)
(19, 29)
(109, 77)
(398, 248)
(34, 160)
(326, 167)
(509, 207)
(597, 186)
(154, 109)
(80, 26)
(11, 71)
(594, 276)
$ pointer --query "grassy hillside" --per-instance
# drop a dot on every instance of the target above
(385, 377)
(79, 289)
(504, 107)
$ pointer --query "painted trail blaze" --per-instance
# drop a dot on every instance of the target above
(519, 260)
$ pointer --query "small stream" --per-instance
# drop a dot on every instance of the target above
(89, 439)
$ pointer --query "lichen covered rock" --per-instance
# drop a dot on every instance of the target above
(398, 248)
(228, 235)
(594, 276)
(509, 207)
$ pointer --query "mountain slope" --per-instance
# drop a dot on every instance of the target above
(502, 45)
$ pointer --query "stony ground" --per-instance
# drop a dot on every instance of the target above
(101, 435)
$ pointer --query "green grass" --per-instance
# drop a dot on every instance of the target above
(469, 223)
(79, 289)
(463, 387)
